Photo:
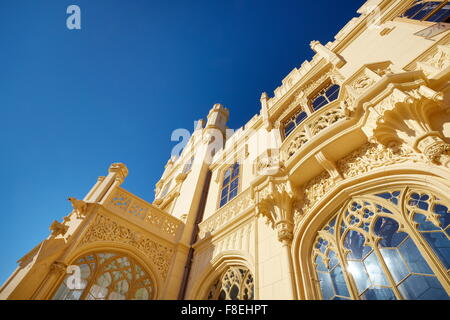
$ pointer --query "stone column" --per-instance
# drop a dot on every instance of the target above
(276, 202)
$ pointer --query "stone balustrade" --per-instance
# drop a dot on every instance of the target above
(123, 202)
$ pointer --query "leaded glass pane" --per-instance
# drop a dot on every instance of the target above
(357, 270)
(379, 293)
(338, 280)
(418, 287)
(376, 273)
(413, 258)
(326, 285)
(354, 241)
(440, 244)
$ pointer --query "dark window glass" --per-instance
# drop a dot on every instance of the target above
(230, 184)
(325, 96)
(289, 128)
(333, 92)
(442, 15)
(319, 102)
(300, 117)
(435, 11)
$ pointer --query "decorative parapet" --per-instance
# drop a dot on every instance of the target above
(228, 213)
(123, 202)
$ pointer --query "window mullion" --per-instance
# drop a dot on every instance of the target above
(388, 274)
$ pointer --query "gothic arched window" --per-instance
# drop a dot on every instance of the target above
(236, 283)
(426, 10)
(105, 276)
(230, 185)
(373, 248)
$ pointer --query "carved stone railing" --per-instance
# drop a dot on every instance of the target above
(242, 203)
(128, 205)
(312, 126)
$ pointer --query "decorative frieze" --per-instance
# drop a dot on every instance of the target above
(366, 158)
(371, 156)
(106, 229)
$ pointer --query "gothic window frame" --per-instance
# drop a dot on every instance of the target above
(322, 91)
(296, 119)
(118, 266)
(234, 276)
(421, 6)
(222, 184)
(401, 211)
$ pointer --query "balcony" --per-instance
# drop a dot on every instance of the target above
(317, 125)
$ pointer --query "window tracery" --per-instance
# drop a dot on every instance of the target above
(235, 284)
(370, 249)
(106, 276)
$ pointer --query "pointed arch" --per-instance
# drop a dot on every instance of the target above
(364, 187)
(218, 267)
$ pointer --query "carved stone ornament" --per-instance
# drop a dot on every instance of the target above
(105, 229)
(404, 116)
(268, 163)
(79, 207)
(435, 149)
(58, 228)
(366, 158)
(276, 201)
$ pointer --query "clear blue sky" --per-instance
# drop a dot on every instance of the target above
(73, 102)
